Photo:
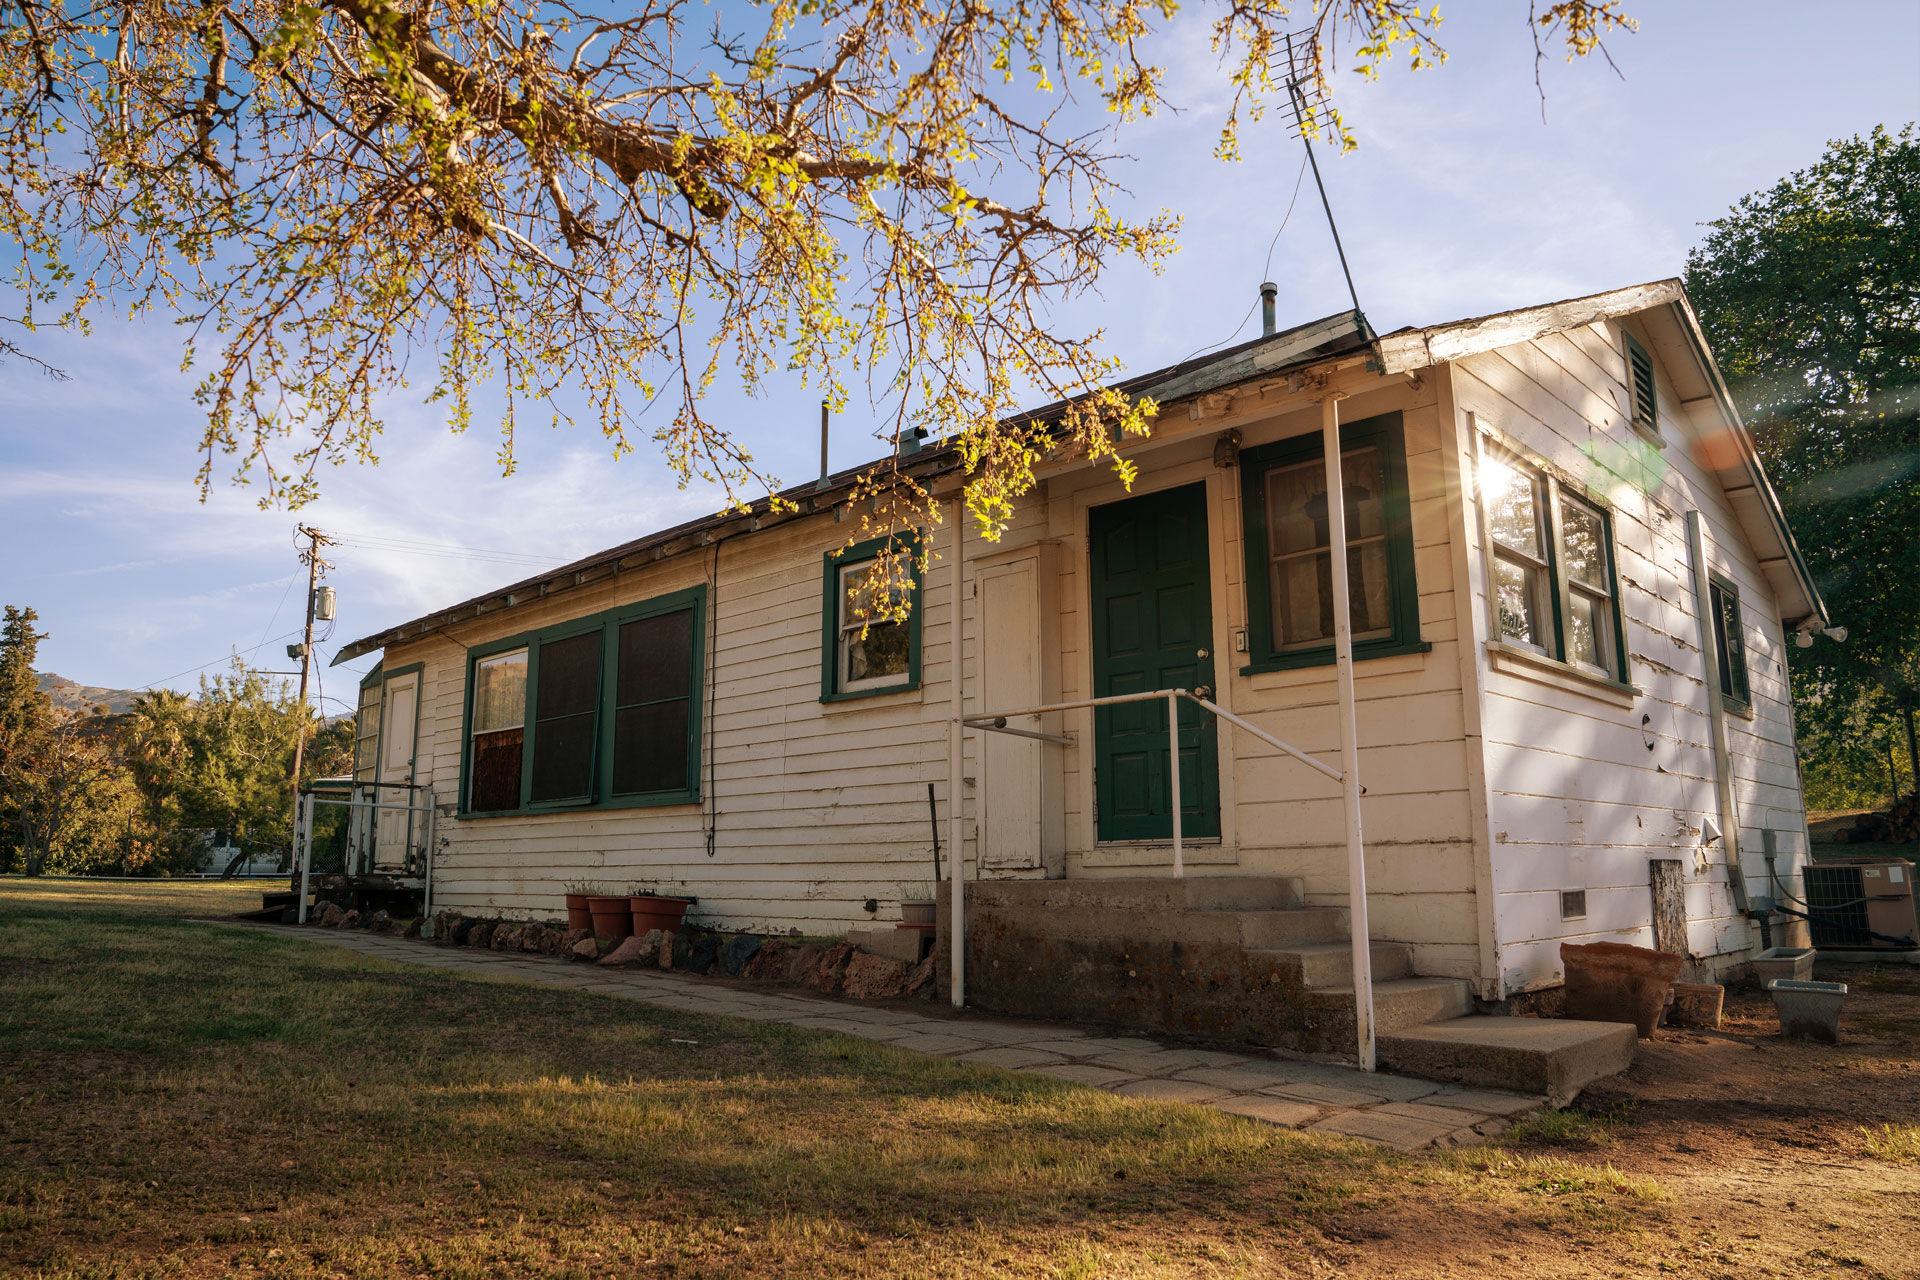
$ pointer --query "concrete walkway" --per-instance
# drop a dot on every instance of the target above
(1317, 1096)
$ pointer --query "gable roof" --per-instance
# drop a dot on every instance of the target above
(1683, 349)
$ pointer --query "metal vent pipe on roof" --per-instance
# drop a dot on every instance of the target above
(1268, 292)
(826, 416)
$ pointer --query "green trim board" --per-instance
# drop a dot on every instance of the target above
(1384, 434)
(833, 563)
(601, 792)
(1150, 601)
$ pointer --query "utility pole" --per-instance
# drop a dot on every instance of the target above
(311, 558)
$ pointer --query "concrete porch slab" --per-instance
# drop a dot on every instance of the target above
(1553, 1056)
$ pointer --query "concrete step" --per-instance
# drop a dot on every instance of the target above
(1408, 1002)
(1330, 964)
(1557, 1057)
(1281, 930)
(1242, 893)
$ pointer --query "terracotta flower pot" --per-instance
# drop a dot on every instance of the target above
(579, 914)
(654, 912)
(1614, 982)
(611, 918)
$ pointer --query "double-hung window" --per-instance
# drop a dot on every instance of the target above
(1729, 645)
(1551, 568)
(598, 711)
(867, 645)
(1289, 554)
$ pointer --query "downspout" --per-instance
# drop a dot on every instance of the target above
(956, 785)
(1716, 714)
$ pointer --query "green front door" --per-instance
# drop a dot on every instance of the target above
(1152, 629)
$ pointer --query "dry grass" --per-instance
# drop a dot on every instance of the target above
(1897, 1142)
(179, 1098)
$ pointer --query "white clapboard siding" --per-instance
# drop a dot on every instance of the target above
(1582, 792)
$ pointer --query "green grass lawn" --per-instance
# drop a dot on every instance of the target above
(179, 1098)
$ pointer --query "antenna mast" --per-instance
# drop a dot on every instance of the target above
(1308, 94)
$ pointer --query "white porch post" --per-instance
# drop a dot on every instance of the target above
(303, 827)
(1349, 735)
(956, 785)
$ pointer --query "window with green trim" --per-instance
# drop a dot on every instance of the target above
(1289, 561)
(1729, 645)
(1551, 566)
(597, 711)
(1640, 388)
(866, 646)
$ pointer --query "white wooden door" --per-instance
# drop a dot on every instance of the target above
(395, 829)
(1010, 677)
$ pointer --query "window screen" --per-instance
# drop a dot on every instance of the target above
(566, 719)
(653, 704)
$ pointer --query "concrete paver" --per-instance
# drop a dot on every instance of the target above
(1318, 1096)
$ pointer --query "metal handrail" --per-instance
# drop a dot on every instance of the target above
(996, 722)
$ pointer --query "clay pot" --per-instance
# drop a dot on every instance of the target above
(653, 912)
(1614, 982)
(611, 918)
(579, 914)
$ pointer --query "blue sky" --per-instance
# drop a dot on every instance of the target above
(1460, 200)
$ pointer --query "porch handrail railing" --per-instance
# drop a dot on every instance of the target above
(420, 802)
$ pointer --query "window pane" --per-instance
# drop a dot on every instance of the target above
(500, 692)
(1301, 583)
(881, 653)
(1729, 643)
(1590, 639)
(1517, 601)
(1511, 509)
(563, 757)
(567, 719)
(656, 658)
(650, 748)
(1584, 537)
(569, 676)
(1302, 596)
(495, 782)
(1297, 503)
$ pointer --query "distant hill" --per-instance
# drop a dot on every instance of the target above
(73, 696)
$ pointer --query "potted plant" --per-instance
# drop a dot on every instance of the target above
(611, 918)
(579, 914)
(916, 904)
(651, 909)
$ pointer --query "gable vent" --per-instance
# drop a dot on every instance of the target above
(1640, 375)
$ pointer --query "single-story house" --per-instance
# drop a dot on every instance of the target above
(1572, 600)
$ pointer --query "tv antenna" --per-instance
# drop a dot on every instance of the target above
(1307, 94)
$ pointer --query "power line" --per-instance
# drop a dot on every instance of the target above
(228, 658)
(1266, 271)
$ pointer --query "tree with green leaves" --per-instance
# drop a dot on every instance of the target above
(629, 200)
(1810, 294)
(25, 711)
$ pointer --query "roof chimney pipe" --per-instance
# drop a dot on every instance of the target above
(1268, 292)
(826, 416)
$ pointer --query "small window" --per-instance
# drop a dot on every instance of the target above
(1640, 389)
(868, 646)
(1729, 645)
(366, 730)
(1552, 579)
(499, 731)
(1289, 547)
